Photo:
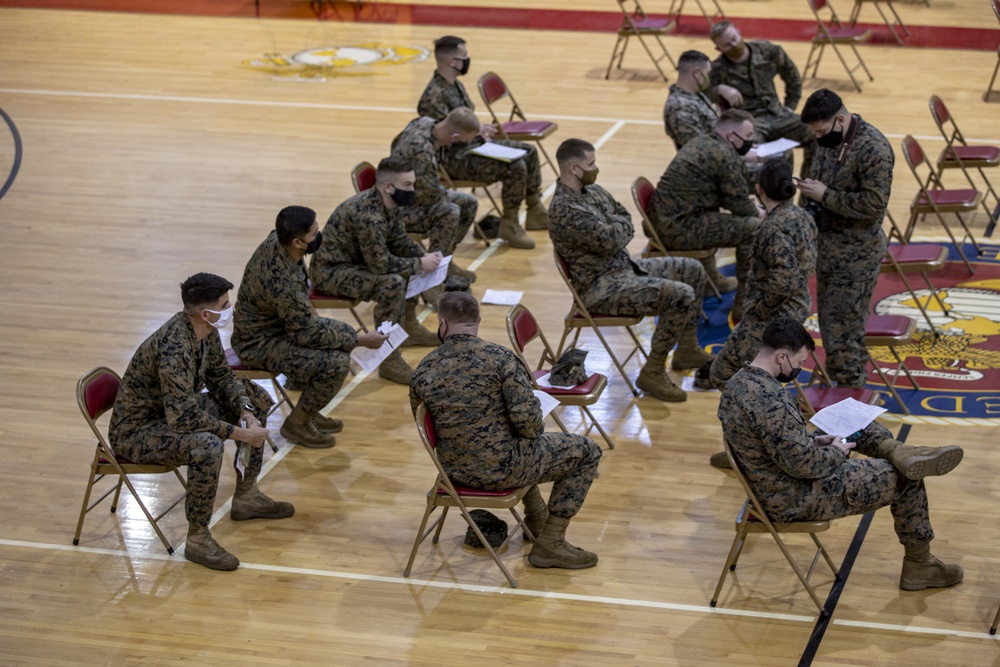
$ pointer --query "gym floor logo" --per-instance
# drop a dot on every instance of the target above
(958, 369)
(335, 61)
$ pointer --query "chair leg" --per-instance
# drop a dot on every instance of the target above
(888, 385)
(614, 359)
(996, 622)
(482, 538)
(954, 241)
(142, 506)
(558, 422)
(548, 160)
(614, 53)
(826, 554)
(798, 570)
(83, 508)
(421, 536)
(861, 62)
(600, 429)
(989, 90)
(734, 551)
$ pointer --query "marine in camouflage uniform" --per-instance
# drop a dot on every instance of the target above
(784, 258)
(687, 115)
(444, 215)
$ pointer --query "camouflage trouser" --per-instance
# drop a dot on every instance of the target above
(445, 223)
(864, 485)
(520, 177)
(321, 372)
(775, 124)
(847, 267)
(388, 290)
(711, 229)
(201, 452)
(567, 459)
(670, 290)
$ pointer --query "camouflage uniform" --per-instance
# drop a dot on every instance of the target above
(367, 255)
(161, 416)
(489, 424)
(706, 174)
(784, 258)
(851, 244)
(444, 215)
(687, 115)
(275, 327)
(754, 78)
(590, 230)
(520, 177)
(797, 480)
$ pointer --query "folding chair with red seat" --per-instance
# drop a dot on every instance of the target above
(245, 371)
(475, 187)
(320, 301)
(363, 177)
(820, 393)
(922, 258)
(96, 392)
(446, 494)
(891, 331)
(677, 8)
(636, 23)
(831, 32)
(892, 25)
(517, 127)
(522, 328)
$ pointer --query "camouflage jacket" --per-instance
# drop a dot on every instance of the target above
(768, 435)
(754, 78)
(440, 98)
(784, 258)
(687, 115)
(858, 177)
(479, 395)
(363, 232)
(418, 144)
(590, 230)
(706, 174)
(273, 302)
(164, 378)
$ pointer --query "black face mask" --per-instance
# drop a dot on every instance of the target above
(745, 146)
(313, 245)
(464, 69)
(404, 197)
(831, 139)
(792, 374)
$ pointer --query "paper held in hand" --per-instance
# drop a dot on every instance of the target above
(424, 281)
(548, 403)
(846, 417)
(369, 359)
(497, 151)
(776, 147)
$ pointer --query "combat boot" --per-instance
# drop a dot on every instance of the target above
(249, 502)
(536, 512)
(327, 425)
(653, 380)
(455, 270)
(537, 218)
(552, 550)
(395, 369)
(300, 430)
(202, 548)
(688, 353)
(417, 333)
(921, 569)
(722, 283)
(920, 462)
(720, 460)
(513, 234)
(432, 295)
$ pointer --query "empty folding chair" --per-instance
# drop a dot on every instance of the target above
(820, 393)
(892, 25)
(677, 8)
(517, 127)
(891, 331)
(921, 258)
(831, 32)
(636, 23)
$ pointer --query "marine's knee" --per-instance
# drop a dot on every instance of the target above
(206, 450)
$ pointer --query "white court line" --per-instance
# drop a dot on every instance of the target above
(352, 107)
(527, 593)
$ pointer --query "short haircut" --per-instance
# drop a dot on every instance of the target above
(447, 45)
(294, 222)
(203, 289)
(392, 165)
(775, 179)
(462, 120)
(719, 28)
(786, 333)
(731, 118)
(573, 149)
(458, 308)
(821, 106)
(691, 59)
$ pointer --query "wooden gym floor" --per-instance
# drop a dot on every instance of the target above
(152, 150)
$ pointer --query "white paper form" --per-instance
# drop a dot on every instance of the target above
(368, 359)
(846, 417)
(502, 297)
(499, 152)
(424, 281)
(776, 147)
(548, 403)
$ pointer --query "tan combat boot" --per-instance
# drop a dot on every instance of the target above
(455, 270)
(249, 502)
(688, 353)
(417, 333)
(536, 512)
(653, 380)
(537, 217)
(920, 462)
(513, 234)
(921, 569)
(722, 283)
(202, 548)
(720, 460)
(552, 550)
(326, 424)
(395, 369)
(432, 295)
(300, 430)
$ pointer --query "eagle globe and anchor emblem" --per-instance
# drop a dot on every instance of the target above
(319, 64)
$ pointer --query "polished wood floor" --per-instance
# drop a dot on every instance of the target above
(151, 151)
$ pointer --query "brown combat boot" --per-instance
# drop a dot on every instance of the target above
(249, 502)
(513, 234)
(395, 369)
(921, 569)
(537, 217)
(653, 380)
(920, 462)
(688, 353)
(552, 550)
(417, 333)
(300, 430)
(455, 270)
(326, 424)
(722, 283)
(720, 460)
(536, 512)
(202, 548)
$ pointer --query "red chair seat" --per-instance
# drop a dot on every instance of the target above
(234, 360)
(949, 197)
(476, 493)
(651, 24)
(539, 127)
(581, 389)
(118, 457)
(971, 153)
(887, 326)
(846, 34)
(821, 397)
(917, 253)
(318, 296)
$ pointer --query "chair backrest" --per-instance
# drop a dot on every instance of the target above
(915, 157)
(363, 176)
(425, 427)
(996, 8)
(942, 117)
(833, 21)
(492, 88)
(642, 195)
(757, 508)
(96, 392)
(522, 328)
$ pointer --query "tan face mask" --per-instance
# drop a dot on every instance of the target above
(736, 52)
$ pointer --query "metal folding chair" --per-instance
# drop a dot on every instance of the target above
(636, 23)
(517, 127)
(831, 32)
